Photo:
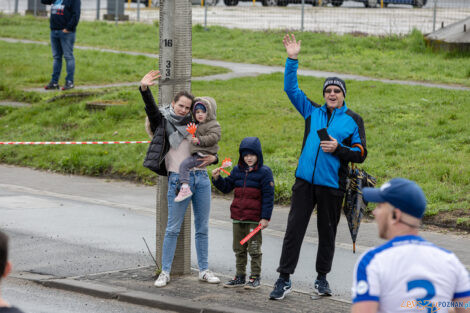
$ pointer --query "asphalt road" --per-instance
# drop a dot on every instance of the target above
(69, 226)
(9, 5)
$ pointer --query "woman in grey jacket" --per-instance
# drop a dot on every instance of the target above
(169, 147)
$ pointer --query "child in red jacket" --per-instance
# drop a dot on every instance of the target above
(252, 205)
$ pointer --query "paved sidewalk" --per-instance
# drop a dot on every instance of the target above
(186, 293)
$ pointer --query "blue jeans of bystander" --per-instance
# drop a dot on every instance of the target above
(62, 45)
(201, 199)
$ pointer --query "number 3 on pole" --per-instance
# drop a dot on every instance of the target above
(168, 69)
(430, 293)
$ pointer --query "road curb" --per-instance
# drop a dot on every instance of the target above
(172, 303)
(90, 289)
(122, 294)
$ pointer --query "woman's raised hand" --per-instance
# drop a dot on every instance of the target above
(292, 46)
(149, 79)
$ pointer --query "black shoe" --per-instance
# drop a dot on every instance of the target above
(322, 287)
(68, 85)
(237, 281)
(253, 283)
(51, 86)
(281, 288)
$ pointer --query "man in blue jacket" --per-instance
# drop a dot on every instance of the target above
(321, 171)
(65, 15)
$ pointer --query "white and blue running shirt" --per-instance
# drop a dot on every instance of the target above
(409, 270)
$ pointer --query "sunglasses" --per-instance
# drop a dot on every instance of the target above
(335, 90)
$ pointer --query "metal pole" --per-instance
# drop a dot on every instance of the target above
(98, 4)
(35, 7)
(138, 10)
(302, 17)
(16, 6)
(434, 13)
(116, 13)
(205, 14)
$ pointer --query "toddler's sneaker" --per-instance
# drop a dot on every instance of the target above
(185, 192)
(163, 279)
(281, 288)
(209, 277)
(237, 281)
(253, 283)
(51, 86)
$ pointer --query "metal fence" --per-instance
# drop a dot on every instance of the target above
(374, 17)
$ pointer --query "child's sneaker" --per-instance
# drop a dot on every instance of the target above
(209, 277)
(162, 279)
(51, 86)
(185, 192)
(253, 283)
(237, 281)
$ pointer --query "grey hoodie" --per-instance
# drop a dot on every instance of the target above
(208, 132)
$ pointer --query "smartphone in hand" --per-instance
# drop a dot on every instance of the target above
(323, 134)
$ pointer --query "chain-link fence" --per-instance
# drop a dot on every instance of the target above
(375, 17)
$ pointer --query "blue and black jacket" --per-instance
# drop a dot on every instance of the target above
(253, 187)
(315, 166)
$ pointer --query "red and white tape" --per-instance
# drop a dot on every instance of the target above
(68, 142)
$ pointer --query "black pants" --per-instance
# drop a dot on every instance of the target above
(304, 198)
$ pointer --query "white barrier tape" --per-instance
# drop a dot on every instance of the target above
(68, 142)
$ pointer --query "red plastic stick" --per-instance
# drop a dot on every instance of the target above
(228, 173)
(251, 234)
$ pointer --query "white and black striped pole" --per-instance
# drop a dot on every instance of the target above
(175, 67)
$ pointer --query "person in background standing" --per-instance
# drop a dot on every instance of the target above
(65, 15)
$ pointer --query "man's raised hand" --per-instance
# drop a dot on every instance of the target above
(292, 46)
(149, 79)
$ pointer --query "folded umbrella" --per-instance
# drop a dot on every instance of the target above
(354, 206)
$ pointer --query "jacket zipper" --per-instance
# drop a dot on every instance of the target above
(244, 183)
(164, 142)
(318, 150)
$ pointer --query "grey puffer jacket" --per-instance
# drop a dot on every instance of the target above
(208, 132)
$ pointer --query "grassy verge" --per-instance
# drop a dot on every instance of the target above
(30, 65)
(392, 57)
(411, 133)
(414, 132)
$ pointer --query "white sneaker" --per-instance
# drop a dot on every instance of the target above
(209, 277)
(162, 279)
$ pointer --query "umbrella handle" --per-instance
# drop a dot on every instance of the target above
(353, 166)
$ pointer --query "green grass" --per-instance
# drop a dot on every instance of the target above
(414, 132)
(30, 65)
(392, 57)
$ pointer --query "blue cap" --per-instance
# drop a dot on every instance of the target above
(402, 193)
(199, 106)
